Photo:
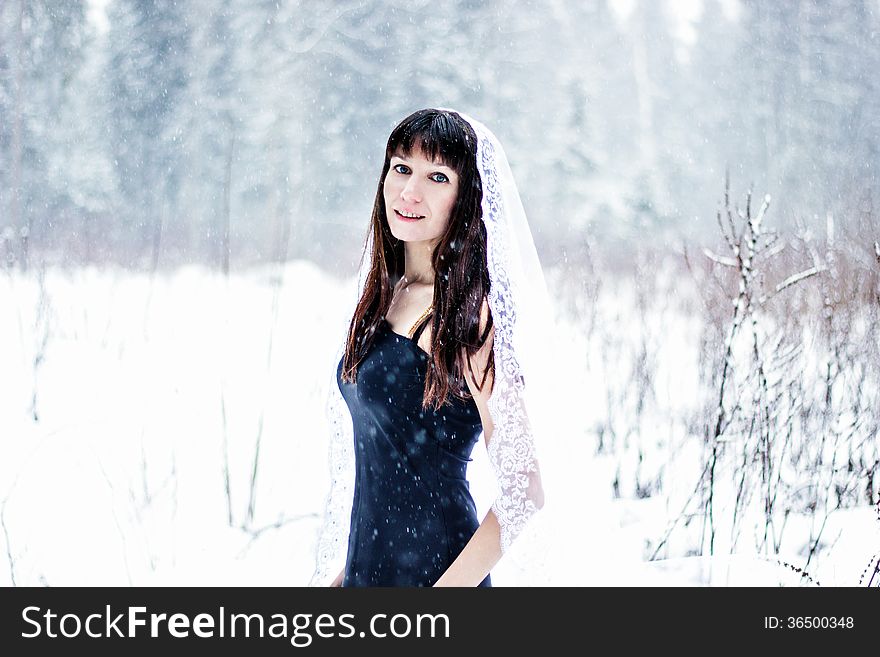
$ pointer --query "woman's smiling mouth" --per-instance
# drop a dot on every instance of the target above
(407, 216)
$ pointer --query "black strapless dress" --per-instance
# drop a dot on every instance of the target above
(412, 512)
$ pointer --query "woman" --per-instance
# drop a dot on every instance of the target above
(450, 255)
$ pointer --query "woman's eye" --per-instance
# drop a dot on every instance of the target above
(443, 176)
(398, 167)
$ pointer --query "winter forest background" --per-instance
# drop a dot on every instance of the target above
(184, 193)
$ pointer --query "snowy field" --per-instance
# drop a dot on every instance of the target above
(170, 431)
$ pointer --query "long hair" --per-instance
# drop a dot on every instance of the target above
(461, 274)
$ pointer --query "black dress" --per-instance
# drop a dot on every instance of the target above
(412, 512)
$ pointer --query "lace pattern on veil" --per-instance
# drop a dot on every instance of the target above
(511, 447)
(333, 536)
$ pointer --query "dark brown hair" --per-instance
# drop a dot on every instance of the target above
(461, 275)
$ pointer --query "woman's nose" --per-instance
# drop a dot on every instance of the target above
(410, 191)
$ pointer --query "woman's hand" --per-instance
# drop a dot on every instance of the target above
(338, 580)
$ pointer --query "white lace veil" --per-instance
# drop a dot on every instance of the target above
(525, 385)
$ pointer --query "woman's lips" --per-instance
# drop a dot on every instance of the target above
(410, 219)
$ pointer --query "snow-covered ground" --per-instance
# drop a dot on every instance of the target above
(132, 409)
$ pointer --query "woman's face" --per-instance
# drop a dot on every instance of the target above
(416, 186)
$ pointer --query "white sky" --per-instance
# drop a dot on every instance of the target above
(687, 12)
(98, 14)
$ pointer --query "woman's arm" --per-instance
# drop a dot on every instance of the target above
(483, 551)
(478, 557)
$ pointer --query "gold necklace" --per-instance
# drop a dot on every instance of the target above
(419, 320)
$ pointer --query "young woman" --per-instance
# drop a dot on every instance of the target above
(427, 367)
